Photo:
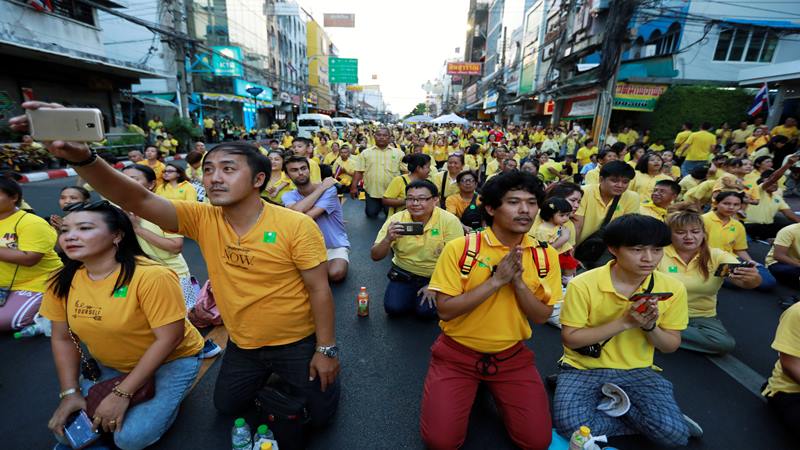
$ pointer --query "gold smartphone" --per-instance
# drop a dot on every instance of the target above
(66, 124)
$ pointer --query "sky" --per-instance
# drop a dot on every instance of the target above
(404, 43)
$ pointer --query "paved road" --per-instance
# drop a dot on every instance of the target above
(384, 363)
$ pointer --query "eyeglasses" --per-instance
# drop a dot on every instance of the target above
(88, 206)
(171, 171)
(467, 180)
(413, 200)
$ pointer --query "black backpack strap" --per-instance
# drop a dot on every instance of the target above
(442, 199)
(611, 210)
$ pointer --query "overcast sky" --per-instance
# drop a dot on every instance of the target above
(403, 42)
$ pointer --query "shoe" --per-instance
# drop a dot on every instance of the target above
(210, 349)
(695, 430)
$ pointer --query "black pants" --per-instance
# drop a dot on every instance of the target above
(787, 407)
(374, 206)
(764, 231)
(244, 372)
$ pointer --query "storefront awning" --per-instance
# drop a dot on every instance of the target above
(155, 101)
(233, 98)
(647, 68)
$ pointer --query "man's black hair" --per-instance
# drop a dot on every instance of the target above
(303, 140)
(423, 184)
(617, 169)
(257, 162)
(671, 184)
(465, 173)
(631, 230)
(296, 159)
(11, 188)
(699, 172)
(497, 186)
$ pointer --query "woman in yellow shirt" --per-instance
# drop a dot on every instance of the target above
(669, 168)
(419, 168)
(129, 314)
(343, 169)
(693, 263)
(648, 172)
(440, 151)
(176, 186)
(332, 155)
(279, 183)
(465, 204)
(152, 160)
(632, 157)
(448, 186)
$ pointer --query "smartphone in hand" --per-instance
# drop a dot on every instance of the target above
(412, 228)
(726, 269)
(78, 430)
(660, 296)
(66, 124)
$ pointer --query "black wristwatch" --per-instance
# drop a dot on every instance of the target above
(85, 162)
(331, 351)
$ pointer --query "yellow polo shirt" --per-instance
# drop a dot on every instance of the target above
(700, 144)
(730, 236)
(492, 167)
(547, 232)
(498, 322)
(174, 261)
(256, 276)
(701, 193)
(379, 167)
(681, 137)
(117, 326)
(739, 136)
(278, 195)
(687, 183)
(593, 209)
(313, 171)
(418, 254)
(701, 292)
(545, 174)
(783, 130)
(768, 205)
(585, 154)
(451, 185)
(592, 301)
(787, 340)
(346, 172)
(592, 176)
(648, 208)
(788, 236)
(158, 168)
(397, 190)
(644, 183)
(182, 191)
(32, 234)
(537, 222)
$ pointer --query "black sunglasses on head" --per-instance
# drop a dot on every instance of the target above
(87, 206)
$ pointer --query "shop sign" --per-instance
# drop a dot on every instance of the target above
(637, 97)
(549, 107)
(463, 68)
(240, 87)
(226, 61)
(490, 99)
(582, 108)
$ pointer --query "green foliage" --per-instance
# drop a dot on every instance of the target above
(696, 104)
(183, 130)
(419, 109)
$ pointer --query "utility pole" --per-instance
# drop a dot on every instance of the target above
(619, 16)
(179, 46)
(566, 33)
(500, 82)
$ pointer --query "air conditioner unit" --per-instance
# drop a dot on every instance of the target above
(648, 50)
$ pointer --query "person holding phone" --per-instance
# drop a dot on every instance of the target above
(608, 338)
(129, 313)
(690, 260)
(415, 254)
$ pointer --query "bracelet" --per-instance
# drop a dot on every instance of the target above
(92, 157)
(647, 330)
(119, 393)
(69, 391)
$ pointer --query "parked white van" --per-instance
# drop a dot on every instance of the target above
(342, 122)
(308, 124)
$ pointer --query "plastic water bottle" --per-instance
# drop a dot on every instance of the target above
(579, 438)
(240, 436)
(40, 325)
(264, 435)
(363, 302)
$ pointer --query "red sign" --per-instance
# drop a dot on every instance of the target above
(463, 68)
(549, 107)
(339, 20)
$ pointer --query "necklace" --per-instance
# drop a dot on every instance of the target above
(91, 277)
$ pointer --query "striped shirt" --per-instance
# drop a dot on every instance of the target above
(379, 167)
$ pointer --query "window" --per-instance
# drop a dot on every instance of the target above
(749, 45)
(74, 10)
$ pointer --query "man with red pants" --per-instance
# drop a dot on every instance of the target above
(489, 285)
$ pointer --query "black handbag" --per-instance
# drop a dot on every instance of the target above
(593, 247)
(471, 216)
(286, 414)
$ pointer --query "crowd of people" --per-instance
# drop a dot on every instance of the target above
(623, 246)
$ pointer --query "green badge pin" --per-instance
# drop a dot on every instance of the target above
(121, 292)
(471, 206)
(732, 228)
(270, 237)
(434, 232)
(673, 269)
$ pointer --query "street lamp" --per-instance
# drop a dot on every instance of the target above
(255, 91)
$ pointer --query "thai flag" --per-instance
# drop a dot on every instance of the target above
(760, 103)
(41, 5)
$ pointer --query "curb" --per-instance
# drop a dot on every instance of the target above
(35, 177)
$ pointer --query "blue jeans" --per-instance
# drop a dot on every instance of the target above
(768, 282)
(401, 298)
(688, 166)
(787, 274)
(145, 423)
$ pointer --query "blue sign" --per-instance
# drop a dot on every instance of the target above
(226, 61)
(240, 88)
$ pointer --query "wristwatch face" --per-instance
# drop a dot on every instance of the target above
(330, 352)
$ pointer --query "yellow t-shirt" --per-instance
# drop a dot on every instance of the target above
(330, 158)
(592, 301)
(256, 277)
(656, 148)
(585, 154)
(730, 236)
(314, 172)
(644, 183)
(768, 205)
(418, 254)
(497, 323)
(346, 170)
(547, 232)
(33, 234)
(117, 327)
(451, 186)
(397, 190)
(787, 340)
(754, 143)
(687, 183)
(278, 197)
(492, 167)
(439, 153)
(174, 261)
(648, 208)
(158, 168)
(379, 167)
(168, 146)
(457, 205)
(593, 209)
(570, 225)
(700, 145)
(287, 140)
(788, 132)
(701, 292)
(701, 193)
(183, 191)
(208, 123)
(544, 172)
(739, 136)
(788, 236)
(681, 137)
(155, 126)
(592, 177)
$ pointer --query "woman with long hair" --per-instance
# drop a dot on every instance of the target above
(127, 311)
(695, 265)
(648, 172)
(278, 183)
(176, 186)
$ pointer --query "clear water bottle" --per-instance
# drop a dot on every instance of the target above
(40, 325)
(264, 435)
(240, 436)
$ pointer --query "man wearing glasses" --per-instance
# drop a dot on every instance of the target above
(417, 236)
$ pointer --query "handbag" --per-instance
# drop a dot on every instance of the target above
(6, 292)
(286, 414)
(100, 390)
(205, 313)
(593, 247)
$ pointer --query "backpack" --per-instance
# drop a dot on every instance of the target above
(472, 248)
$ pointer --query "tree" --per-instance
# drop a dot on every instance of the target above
(419, 109)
